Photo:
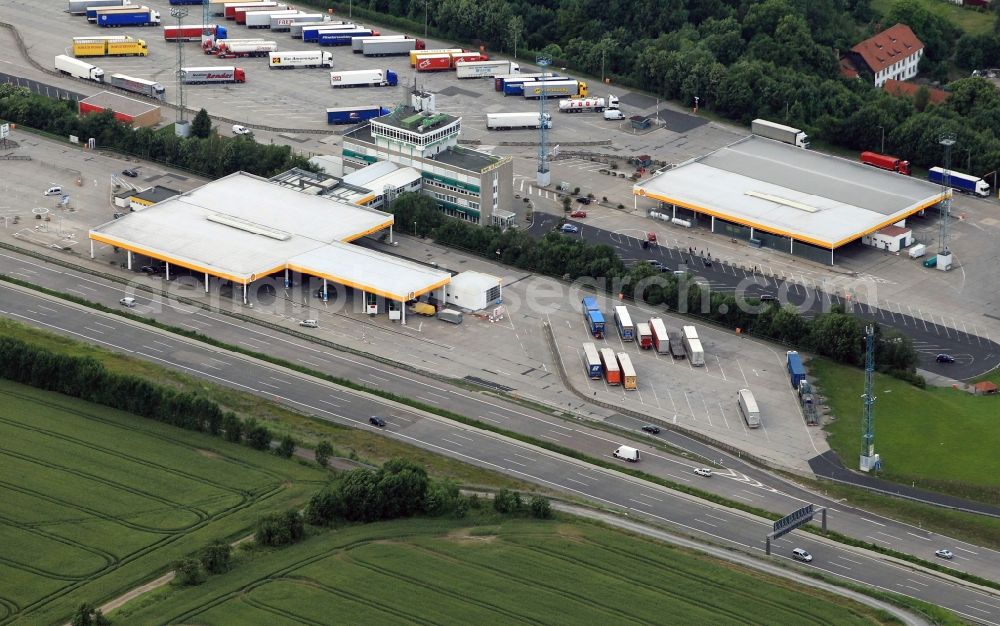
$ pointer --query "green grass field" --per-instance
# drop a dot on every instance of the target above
(97, 501)
(485, 570)
(971, 21)
(937, 438)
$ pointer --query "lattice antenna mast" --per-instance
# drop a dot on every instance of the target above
(180, 14)
(869, 460)
(544, 176)
(206, 20)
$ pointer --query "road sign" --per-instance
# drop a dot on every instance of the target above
(4, 131)
(792, 521)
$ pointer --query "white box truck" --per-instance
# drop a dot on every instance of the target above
(484, 69)
(383, 47)
(357, 43)
(627, 453)
(780, 132)
(292, 59)
(692, 345)
(513, 121)
(363, 78)
(262, 19)
(78, 68)
(748, 408)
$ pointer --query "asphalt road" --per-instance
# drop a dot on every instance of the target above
(488, 450)
(974, 355)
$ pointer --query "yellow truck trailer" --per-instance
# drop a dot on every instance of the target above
(110, 48)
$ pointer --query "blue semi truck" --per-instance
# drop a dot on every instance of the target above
(126, 16)
(960, 181)
(594, 317)
(796, 373)
(353, 115)
(343, 37)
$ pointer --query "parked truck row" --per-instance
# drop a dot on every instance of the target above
(109, 46)
(114, 17)
(363, 78)
(194, 33)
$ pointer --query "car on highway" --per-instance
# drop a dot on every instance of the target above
(375, 420)
(131, 172)
(944, 358)
(578, 213)
(649, 428)
(128, 303)
(569, 228)
(801, 555)
(241, 130)
(944, 553)
(309, 323)
(703, 471)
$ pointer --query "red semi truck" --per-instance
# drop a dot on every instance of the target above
(886, 162)
(433, 63)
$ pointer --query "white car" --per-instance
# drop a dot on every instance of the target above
(945, 554)
(801, 555)
(128, 303)
(241, 130)
(309, 323)
(703, 471)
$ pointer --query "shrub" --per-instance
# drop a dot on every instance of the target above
(324, 450)
(286, 448)
(507, 501)
(541, 507)
(280, 529)
(189, 572)
(216, 558)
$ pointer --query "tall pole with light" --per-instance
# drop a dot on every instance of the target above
(882, 148)
(544, 176)
(181, 127)
(947, 140)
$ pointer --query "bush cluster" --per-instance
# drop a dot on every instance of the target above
(87, 379)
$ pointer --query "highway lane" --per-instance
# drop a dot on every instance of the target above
(737, 481)
(485, 449)
(974, 354)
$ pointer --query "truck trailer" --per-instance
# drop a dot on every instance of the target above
(312, 33)
(227, 8)
(97, 47)
(292, 59)
(193, 33)
(78, 68)
(433, 62)
(127, 16)
(748, 408)
(612, 373)
(580, 105)
(796, 373)
(960, 181)
(502, 79)
(644, 335)
(357, 43)
(212, 75)
(233, 49)
(363, 78)
(780, 132)
(629, 380)
(592, 358)
(468, 57)
(283, 24)
(242, 13)
(514, 121)
(355, 114)
(141, 86)
(692, 345)
(295, 30)
(661, 340)
(485, 69)
(567, 88)
(594, 317)
(262, 19)
(79, 7)
(384, 46)
(886, 162)
(416, 53)
(92, 11)
(343, 37)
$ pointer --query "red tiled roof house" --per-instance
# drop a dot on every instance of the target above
(894, 53)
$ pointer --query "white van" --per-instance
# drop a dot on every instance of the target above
(127, 303)
(613, 114)
(627, 453)
(53, 191)
(918, 251)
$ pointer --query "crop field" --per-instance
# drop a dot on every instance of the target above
(487, 570)
(938, 438)
(96, 502)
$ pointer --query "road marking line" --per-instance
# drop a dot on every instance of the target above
(917, 536)
(532, 459)
(917, 582)
(490, 419)
(706, 523)
(515, 462)
(714, 517)
(873, 522)
(978, 609)
(462, 437)
(964, 550)
(330, 403)
(580, 482)
(851, 560)
(93, 330)
(268, 385)
(835, 564)
(454, 443)
(498, 415)
(645, 504)
(987, 604)
(104, 325)
(888, 535)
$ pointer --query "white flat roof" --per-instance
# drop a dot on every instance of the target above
(243, 227)
(777, 188)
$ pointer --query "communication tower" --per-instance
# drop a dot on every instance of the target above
(944, 254)
(181, 127)
(869, 460)
(544, 175)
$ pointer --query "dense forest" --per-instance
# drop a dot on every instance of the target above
(744, 59)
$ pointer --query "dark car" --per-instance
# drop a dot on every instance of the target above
(583, 200)
(375, 420)
(649, 428)
(945, 358)
(131, 173)
(153, 269)
(766, 297)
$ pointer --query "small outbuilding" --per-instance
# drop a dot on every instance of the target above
(473, 291)
(984, 388)
(892, 238)
(128, 110)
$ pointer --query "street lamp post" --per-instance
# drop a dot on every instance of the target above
(425, 17)
(968, 161)
(882, 148)
(696, 99)
(414, 228)
(603, 51)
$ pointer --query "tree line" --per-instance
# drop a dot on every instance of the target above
(837, 334)
(743, 59)
(205, 153)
